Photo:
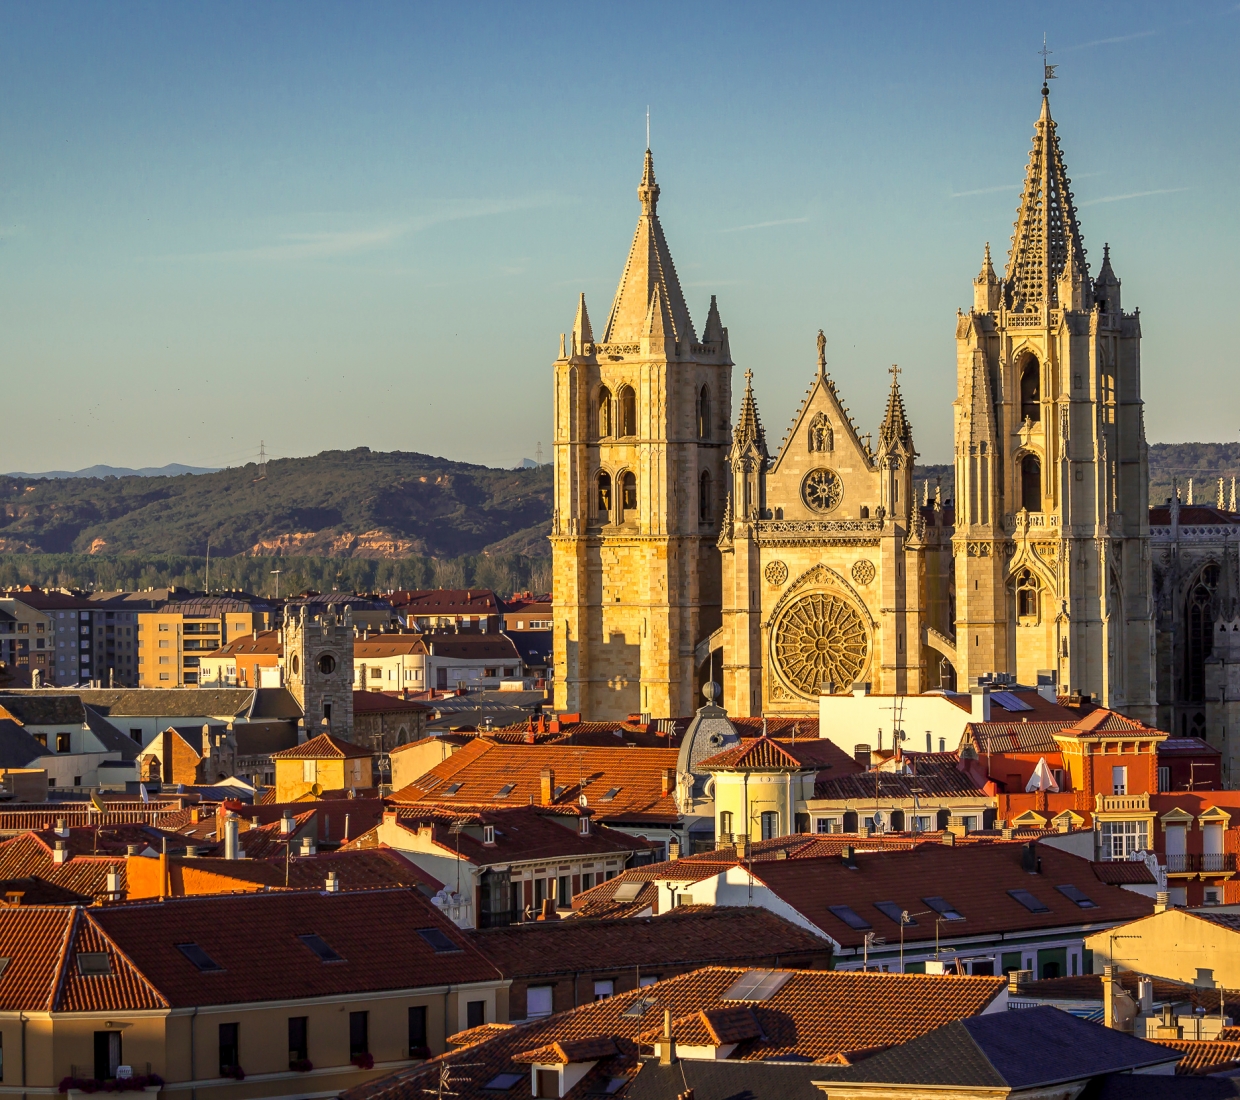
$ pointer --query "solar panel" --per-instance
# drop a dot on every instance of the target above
(321, 947)
(198, 957)
(638, 1007)
(757, 985)
(1074, 894)
(943, 908)
(438, 940)
(1008, 701)
(1028, 901)
(892, 911)
(850, 918)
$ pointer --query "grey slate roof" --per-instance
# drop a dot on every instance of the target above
(60, 709)
(728, 1080)
(1030, 1048)
(17, 747)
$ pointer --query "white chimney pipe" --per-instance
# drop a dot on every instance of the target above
(61, 828)
(286, 823)
(307, 845)
(232, 846)
(114, 885)
(333, 882)
(60, 854)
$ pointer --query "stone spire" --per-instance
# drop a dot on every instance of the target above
(1048, 236)
(582, 333)
(713, 332)
(894, 434)
(748, 436)
(1106, 286)
(648, 267)
(981, 403)
(986, 287)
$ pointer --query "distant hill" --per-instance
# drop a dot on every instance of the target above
(338, 504)
(364, 505)
(173, 469)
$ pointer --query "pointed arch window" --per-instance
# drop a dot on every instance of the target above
(1031, 391)
(627, 401)
(704, 494)
(1026, 595)
(604, 412)
(821, 436)
(1200, 618)
(703, 413)
(603, 496)
(1031, 483)
(628, 496)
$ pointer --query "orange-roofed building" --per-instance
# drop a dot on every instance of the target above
(324, 763)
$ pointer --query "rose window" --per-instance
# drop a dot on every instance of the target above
(820, 639)
(822, 490)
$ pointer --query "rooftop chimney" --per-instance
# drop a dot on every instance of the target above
(667, 780)
(547, 786)
(114, 886)
(307, 845)
(61, 828)
(1162, 901)
(191, 851)
(667, 1045)
(1145, 995)
(60, 854)
(979, 699)
(132, 849)
(232, 846)
(673, 849)
(286, 823)
(333, 882)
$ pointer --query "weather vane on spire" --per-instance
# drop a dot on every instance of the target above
(1048, 71)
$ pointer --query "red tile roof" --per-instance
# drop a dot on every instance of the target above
(1123, 872)
(681, 938)
(30, 855)
(374, 702)
(445, 601)
(484, 767)
(567, 1051)
(1203, 1057)
(355, 868)
(323, 747)
(267, 642)
(761, 754)
(1112, 722)
(374, 930)
(974, 879)
(815, 1015)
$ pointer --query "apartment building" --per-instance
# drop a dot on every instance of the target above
(69, 639)
(175, 635)
(438, 609)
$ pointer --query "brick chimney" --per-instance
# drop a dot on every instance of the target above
(547, 786)
(667, 780)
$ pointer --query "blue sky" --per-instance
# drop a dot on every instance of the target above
(366, 224)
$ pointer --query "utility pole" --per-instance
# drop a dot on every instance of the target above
(276, 573)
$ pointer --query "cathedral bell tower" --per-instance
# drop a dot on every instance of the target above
(641, 436)
(1051, 543)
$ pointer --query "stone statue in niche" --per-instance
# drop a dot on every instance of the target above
(821, 438)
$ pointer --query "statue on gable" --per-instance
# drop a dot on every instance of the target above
(821, 438)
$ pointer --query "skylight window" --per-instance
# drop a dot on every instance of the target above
(504, 792)
(757, 985)
(321, 947)
(438, 940)
(627, 891)
(4, 965)
(892, 911)
(943, 908)
(849, 917)
(1028, 901)
(198, 957)
(1072, 893)
(452, 788)
(639, 1007)
(94, 964)
(503, 1082)
(609, 795)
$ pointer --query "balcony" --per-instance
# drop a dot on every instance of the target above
(1123, 803)
(1180, 865)
(1213, 863)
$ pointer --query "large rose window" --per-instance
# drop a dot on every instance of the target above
(820, 639)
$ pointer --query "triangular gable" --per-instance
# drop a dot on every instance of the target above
(823, 397)
(1029, 820)
(1215, 814)
(1176, 816)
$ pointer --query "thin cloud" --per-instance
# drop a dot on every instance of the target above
(984, 191)
(294, 247)
(765, 225)
(1133, 195)
(1108, 41)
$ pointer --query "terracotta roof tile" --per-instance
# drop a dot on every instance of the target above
(31, 855)
(323, 747)
(1123, 872)
(683, 937)
(761, 754)
(1203, 1057)
(621, 784)
(567, 1051)
(471, 1036)
(374, 931)
(815, 1015)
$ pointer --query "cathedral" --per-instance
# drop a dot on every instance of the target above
(687, 549)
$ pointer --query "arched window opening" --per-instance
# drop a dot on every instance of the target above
(1031, 483)
(604, 412)
(603, 504)
(1031, 391)
(1026, 595)
(704, 413)
(628, 494)
(1200, 619)
(704, 497)
(628, 411)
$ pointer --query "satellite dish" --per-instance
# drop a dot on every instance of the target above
(583, 800)
(317, 789)
(880, 821)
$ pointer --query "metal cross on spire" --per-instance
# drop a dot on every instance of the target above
(895, 372)
(1048, 71)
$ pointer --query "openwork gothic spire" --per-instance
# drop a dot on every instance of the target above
(748, 434)
(1048, 236)
(895, 433)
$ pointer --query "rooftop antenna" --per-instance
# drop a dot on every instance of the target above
(1048, 71)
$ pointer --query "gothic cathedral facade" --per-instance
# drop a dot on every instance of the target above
(684, 550)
